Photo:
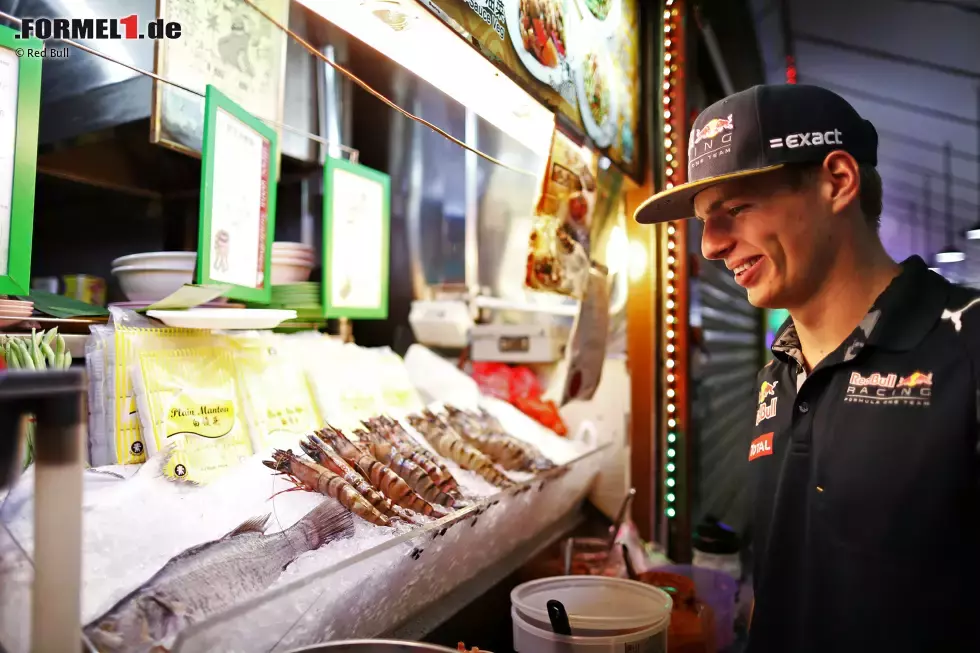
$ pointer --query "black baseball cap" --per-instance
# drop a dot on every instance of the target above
(761, 129)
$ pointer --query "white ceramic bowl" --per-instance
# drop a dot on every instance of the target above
(141, 284)
(158, 260)
(286, 246)
(290, 271)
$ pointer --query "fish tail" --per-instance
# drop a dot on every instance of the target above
(327, 522)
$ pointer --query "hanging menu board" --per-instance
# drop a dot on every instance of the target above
(356, 231)
(578, 56)
(20, 101)
(231, 46)
(238, 200)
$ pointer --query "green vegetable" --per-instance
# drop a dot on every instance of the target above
(25, 356)
(59, 353)
(35, 350)
(67, 360)
(10, 356)
(48, 355)
(49, 336)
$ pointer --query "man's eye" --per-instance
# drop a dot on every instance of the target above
(735, 210)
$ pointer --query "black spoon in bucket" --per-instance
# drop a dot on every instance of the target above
(559, 618)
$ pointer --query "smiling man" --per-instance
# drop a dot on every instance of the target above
(863, 457)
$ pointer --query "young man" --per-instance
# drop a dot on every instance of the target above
(863, 455)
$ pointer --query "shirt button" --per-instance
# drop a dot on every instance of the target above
(804, 407)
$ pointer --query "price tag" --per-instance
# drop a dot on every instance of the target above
(238, 202)
(356, 232)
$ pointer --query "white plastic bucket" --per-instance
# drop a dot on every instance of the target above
(606, 615)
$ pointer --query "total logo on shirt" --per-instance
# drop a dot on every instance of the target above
(761, 446)
(766, 410)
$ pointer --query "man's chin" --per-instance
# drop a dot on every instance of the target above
(761, 297)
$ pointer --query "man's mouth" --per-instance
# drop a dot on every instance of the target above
(745, 266)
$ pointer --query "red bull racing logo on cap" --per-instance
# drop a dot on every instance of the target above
(766, 410)
(712, 128)
(878, 388)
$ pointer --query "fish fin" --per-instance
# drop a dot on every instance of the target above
(253, 525)
(327, 522)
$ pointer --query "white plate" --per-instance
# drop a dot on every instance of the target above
(602, 135)
(553, 77)
(224, 318)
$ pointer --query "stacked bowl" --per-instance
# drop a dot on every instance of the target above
(13, 311)
(152, 276)
(291, 263)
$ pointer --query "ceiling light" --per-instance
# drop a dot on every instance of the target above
(973, 233)
(949, 254)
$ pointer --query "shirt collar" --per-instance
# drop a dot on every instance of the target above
(899, 319)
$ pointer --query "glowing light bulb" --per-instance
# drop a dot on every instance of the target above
(670, 185)
(671, 393)
(670, 349)
(670, 497)
(670, 379)
(670, 334)
(671, 512)
(671, 437)
(670, 303)
(671, 260)
(671, 229)
(671, 453)
(670, 363)
(670, 482)
(671, 467)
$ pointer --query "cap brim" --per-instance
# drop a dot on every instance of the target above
(677, 203)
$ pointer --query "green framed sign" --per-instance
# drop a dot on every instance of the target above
(20, 104)
(238, 200)
(356, 233)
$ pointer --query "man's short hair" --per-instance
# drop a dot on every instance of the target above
(870, 193)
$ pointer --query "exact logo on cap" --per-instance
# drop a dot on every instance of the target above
(808, 139)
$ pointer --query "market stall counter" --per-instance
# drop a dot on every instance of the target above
(402, 487)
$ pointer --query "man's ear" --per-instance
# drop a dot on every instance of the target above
(843, 180)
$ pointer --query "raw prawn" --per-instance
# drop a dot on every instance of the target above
(449, 444)
(412, 474)
(310, 476)
(485, 433)
(408, 447)
(380, 475)
(328, 457)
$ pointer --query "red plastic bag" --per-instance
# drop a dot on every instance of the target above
(493, 379)
(523, 383)
(543, 412)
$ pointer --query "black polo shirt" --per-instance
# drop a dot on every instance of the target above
(865, 481)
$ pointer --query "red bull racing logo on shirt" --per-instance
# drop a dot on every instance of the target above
(766, 410)
(914, 389)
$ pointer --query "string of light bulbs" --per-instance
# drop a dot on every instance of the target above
(673, 174)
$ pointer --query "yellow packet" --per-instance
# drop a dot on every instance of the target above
(280, 405)
(190, 405)
(397, 393)
(130, 447)
(344, 384)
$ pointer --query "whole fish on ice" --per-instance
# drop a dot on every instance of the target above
(207, 578)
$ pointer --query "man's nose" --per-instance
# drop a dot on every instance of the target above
(716, 238)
